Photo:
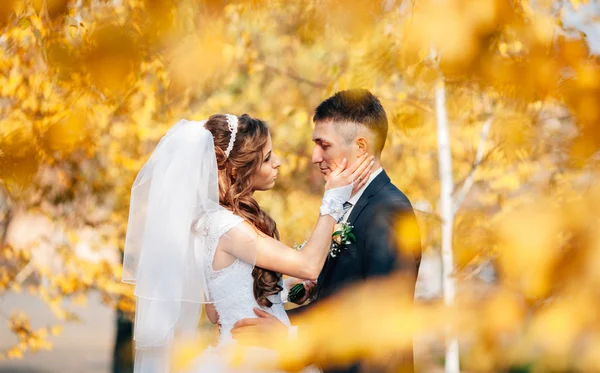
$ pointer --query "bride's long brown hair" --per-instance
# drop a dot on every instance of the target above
(235, 186)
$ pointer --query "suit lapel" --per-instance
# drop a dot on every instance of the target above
(379, 182)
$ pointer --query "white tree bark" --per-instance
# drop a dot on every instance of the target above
(447, 215)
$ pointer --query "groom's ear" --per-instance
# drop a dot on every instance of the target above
(363, 146)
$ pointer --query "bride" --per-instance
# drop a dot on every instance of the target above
(197, 236)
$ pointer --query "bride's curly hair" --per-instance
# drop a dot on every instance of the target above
(235, 186)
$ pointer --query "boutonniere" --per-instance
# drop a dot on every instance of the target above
(342, 236)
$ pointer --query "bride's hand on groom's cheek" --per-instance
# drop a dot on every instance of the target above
(355, 174)
(253, 330)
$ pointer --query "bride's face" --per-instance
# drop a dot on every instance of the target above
(264, 179)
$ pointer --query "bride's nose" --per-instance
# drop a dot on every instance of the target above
(277, 162)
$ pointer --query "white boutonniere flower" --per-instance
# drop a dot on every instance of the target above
(342, 237)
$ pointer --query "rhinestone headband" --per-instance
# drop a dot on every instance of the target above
(232, 123)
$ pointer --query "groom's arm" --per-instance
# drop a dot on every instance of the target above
(392, 241)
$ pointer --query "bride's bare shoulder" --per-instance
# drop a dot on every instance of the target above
(249, 229)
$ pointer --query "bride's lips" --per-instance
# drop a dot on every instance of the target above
(324, 170)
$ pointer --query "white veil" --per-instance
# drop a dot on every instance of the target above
(176, 186)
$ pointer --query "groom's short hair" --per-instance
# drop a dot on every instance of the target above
(357, 106)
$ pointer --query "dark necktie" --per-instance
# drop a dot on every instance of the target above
(345, 209)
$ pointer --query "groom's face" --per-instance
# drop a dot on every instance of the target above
(330, 147)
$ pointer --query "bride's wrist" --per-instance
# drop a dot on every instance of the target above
(333, 201)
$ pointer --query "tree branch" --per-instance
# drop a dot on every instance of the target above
(477, 270)
(429, 214)
(478, 158)
(413, 101)
(410, 100)
(24, 273)
(7, 219)
(295, 77)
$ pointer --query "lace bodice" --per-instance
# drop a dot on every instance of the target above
(231, 288)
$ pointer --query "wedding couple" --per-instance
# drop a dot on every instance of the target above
(196, 236)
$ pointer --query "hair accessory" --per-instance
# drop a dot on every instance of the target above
(232, 123)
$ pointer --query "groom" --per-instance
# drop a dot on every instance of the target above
(347, 125)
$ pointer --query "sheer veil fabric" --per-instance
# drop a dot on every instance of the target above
(173, 193)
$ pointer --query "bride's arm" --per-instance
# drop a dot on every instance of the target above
(271, 254)
(211, 313)
(253, 246)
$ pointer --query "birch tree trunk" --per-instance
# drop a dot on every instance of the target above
(447, 214)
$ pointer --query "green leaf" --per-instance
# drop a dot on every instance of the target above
(296, 292)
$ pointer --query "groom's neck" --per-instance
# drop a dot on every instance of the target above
(376, 164)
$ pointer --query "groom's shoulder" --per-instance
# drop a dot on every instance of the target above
(391, 196)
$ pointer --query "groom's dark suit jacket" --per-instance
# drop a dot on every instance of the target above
(374, 254)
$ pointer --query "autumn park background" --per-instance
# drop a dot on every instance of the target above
(494, 109)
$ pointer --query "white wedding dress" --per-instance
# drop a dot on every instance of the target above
(231, 289)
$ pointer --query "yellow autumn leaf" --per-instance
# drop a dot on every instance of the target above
(15, 353)
(56, 330)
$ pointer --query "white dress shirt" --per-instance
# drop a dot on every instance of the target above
(354, 199)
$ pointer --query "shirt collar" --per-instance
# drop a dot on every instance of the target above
(354, 199)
